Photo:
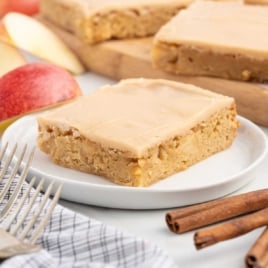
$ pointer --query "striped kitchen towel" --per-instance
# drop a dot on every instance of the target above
(73, 240)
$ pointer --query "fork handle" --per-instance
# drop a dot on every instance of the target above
(11, 246)
(17, 250)
(7, 240)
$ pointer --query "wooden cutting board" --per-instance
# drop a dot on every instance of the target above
(131, 58)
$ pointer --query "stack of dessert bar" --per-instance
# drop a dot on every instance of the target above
(140, 131)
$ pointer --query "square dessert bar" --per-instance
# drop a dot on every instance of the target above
(220, 39)
(98, 20)
(138, 131)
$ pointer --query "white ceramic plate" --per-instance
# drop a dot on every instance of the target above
(212, 178)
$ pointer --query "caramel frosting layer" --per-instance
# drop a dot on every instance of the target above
(91, 7)
(136, 114)
(227, 26)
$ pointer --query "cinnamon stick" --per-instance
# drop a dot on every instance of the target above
(230, 229)
(192, 217)
(257, 256)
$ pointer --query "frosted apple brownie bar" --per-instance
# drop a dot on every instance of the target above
(221, 39)
(98, 20)
(138, 131)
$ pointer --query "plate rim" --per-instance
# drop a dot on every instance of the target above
(141, 190)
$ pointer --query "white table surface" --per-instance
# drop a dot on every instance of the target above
(150, 224)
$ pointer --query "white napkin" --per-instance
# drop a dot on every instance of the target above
(73, 240)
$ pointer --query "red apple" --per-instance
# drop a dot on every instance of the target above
(4, 7)
(28, 7)
(32, 87)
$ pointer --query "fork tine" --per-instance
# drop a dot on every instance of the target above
(19, 184)
(33, 220)
(3, 151)
(45, 219)
(28, 208)
(6, 225)
(8, 160)
(22, 237)
(14, 171)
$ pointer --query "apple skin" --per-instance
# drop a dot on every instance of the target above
(28, 7)
(4, 7)
(32, 87)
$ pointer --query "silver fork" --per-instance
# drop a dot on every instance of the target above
(17, 235)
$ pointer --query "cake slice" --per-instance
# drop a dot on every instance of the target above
(220, 39)
(95, 21)
(138, 131)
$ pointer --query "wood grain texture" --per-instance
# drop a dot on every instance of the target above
(131, 58)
